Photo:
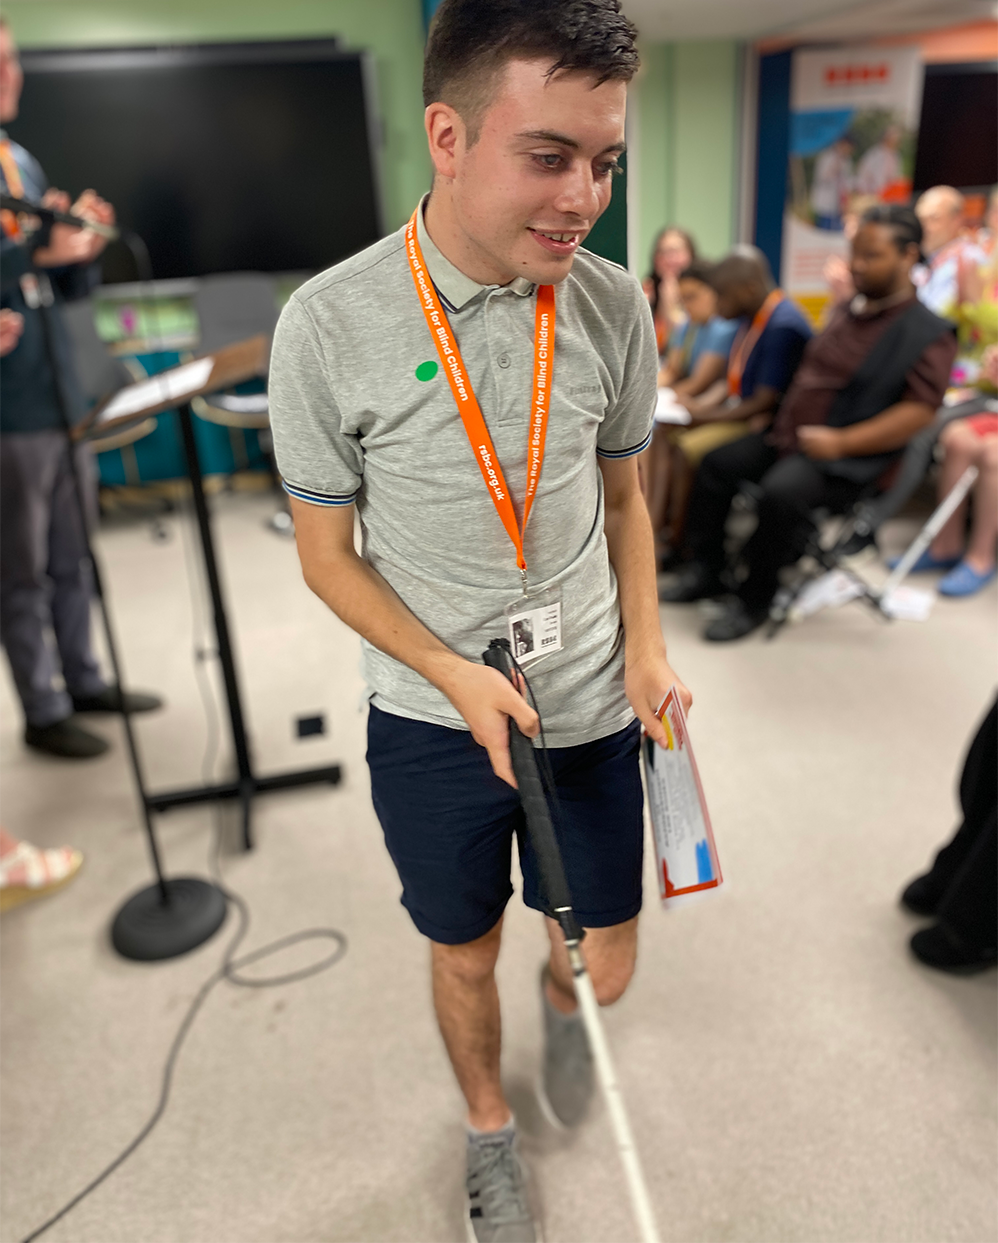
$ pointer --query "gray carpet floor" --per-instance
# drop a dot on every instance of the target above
(792, 1074)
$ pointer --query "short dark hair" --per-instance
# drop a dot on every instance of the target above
(471, 42)
(699, 270)
(742, 267)
(902, 221)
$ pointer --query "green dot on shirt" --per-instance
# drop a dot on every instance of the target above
(427, 370)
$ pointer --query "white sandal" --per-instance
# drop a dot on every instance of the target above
(27, 872)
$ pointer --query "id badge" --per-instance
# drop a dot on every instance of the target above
(534, 624)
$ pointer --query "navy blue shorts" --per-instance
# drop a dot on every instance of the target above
(449, 824)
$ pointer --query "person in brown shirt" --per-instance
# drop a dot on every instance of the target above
(872, 380)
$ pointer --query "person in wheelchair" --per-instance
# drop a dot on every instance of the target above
(866, 385)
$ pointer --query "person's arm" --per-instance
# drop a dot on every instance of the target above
(648, 674)
(891, 429)
(67, 245)
(673, 369)
(894, 427)
(361, 598)
(762, 403)
(709, 369)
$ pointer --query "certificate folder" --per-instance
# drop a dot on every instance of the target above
(685, 853)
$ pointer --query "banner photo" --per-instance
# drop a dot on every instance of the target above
(853, 127)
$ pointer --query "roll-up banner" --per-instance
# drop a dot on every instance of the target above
(853, 128)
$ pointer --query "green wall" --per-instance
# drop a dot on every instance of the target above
(687, 101)
(391, 29)
(682, 157)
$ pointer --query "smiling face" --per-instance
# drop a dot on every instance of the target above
(11, 77)
(521, 199)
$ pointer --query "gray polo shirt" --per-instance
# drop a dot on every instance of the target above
(361, 413)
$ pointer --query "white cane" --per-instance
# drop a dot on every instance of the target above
(552, 870)
(929, 532)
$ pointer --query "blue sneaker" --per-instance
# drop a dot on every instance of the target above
(965, 580)
(926, 563)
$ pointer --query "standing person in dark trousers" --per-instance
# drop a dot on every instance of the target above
(961, 888)
(44, 573)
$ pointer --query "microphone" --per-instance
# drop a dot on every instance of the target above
(22, 206)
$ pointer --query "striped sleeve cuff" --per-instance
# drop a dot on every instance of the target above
(615, 453)
(318, 498)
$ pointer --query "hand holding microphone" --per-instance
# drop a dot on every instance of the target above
(72, 243)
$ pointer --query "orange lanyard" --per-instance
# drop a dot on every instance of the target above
(746, 341)
(15, 187)
(467, 403)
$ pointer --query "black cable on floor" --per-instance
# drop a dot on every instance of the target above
(228, 970)
(230, 966)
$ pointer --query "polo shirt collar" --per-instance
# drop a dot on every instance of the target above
(456, 289)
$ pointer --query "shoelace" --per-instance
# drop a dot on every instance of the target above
(498, 1179)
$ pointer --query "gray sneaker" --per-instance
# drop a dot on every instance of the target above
(498, 1210)
(566, 1082)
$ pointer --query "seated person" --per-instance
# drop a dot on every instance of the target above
(765, 353)
(673, 251)
(950, 256)
(969, 441)
(695, 363)
(866, 385)
(698, 349)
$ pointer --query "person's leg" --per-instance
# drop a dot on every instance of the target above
(682, 478)
(610, 956)
(720, 475)
(449, 823)
(978, 799)
(980, 553)
(600, 828)
(70, 571)
(28, 871)
(969, 907)
(790, 490)
(467, 1006)
(657, 462)
(717, 481)
(28, 467)
(693, 447)
(960, 445)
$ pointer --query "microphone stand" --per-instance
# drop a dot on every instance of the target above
(169, 917)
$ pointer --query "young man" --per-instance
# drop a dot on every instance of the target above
(44, 574)
(376, 370)
(866, 385)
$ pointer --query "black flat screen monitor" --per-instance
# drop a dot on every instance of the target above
(958, 132)
(222, 157)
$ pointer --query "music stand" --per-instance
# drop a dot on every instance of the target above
(229, 366)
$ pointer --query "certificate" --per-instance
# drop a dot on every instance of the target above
(685, 853)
